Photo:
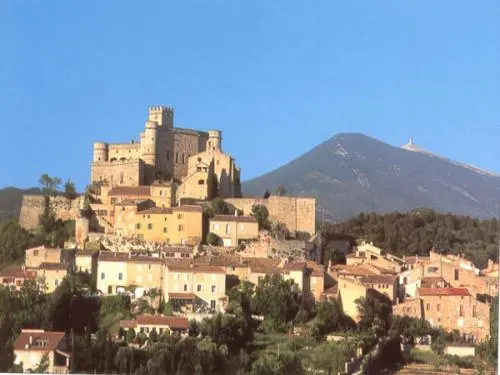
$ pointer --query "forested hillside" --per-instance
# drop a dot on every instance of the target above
(418, 231)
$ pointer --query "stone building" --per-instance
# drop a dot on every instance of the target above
(449, 308)
(183, 156)
(161, 324)
(234, 228)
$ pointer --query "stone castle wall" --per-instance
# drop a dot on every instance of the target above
(31, 208)
(127, 173)
(297, 213)
(35, 205)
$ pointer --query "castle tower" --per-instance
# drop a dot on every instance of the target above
(163, 116)
(214, 140)
(148, 143)
(100, 151)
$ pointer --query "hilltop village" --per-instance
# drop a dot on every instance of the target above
(163, 222)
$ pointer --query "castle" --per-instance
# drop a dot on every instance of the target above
(192, 160)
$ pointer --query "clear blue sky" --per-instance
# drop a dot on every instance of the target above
(277, 77)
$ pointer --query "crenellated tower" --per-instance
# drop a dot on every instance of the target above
(214, 140)
(163, 116)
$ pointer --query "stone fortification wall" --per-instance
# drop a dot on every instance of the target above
(35, 205)
(277, 249)
(31, 208)
(127, 173)
(297, 213)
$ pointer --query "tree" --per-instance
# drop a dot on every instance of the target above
(280, 190)
(329, 318)
(220, 207)
(375, 314)
(43, 366)
(280, 231)
(261, 213)
(70, 190)
(49, 184)
(213, 239)
(130, 335)
(276, 299)
(271, 363)
(153, 335)
(267, 194)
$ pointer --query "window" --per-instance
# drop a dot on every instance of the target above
(161, 331)
(120, 276)
(56, 282)
(161, 193)
(168, 155)
(150, 226)
(438, 307)
(110, 289)
(181, 228)
(457, 275)
(212, 304)
(183, 158)
(201, 182)
(179, 216)
(138, 226)
(461, 310)
(103, 276)
(432, 269)
(198, 288)
(405, 280)
(428, 306)
(177, 157)
(185, 287)
(474, 312)
(35, 253)
(213, 288)
(164, 229)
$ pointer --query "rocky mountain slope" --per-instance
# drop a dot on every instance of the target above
(353, 173)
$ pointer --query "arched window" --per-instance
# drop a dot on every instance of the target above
(177, 157)
(201, 182)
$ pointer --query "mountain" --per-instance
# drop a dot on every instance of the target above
(353, 173)
(11, 199)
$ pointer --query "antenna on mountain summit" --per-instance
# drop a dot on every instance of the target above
(410, 141)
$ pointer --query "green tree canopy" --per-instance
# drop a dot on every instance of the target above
(49, 184)
(261, 213)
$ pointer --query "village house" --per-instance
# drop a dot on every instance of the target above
(51, 275)
(15, 276)
(160, 323)
(86, 261)
(202, 286)
(348, 292)
(449, 308)
(176, 225)
(32, 345)
(233, 229)
(384, 284)
(41, 254)
(368, 253)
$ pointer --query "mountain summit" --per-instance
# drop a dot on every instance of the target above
(353, 173)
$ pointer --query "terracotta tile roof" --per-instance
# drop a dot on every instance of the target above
(443, 292)
(265, 269)
(195, 268)
(317, 273)
(130, 190)
(17, 272)
(415, 260)
(378, 279)
(128, 324)
(177, 249)
(227, 261)
(174, 322)
(127, 202)
(352, 270)
(191, 296)
(333, 290)
(155, 211)
(51, 340)
(238, 219)
(295, 266)
(53, 266)
(261, 261)
(188, 208)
